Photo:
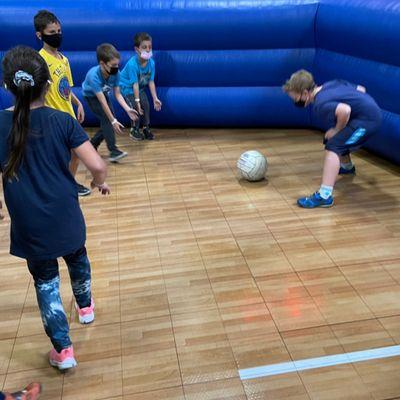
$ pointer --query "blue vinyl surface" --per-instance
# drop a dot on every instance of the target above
(222, 63)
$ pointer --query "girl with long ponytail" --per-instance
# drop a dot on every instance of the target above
(40, 194)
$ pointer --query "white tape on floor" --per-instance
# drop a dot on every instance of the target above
(319, 362)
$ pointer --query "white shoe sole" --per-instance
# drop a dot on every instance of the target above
(66, 364)
(117, 158)
(87, 319)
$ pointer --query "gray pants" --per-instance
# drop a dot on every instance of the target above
(143, 120)
(106, 131)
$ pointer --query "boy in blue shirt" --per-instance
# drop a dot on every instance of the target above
(100, 81)
(353, 117)
(137, 74)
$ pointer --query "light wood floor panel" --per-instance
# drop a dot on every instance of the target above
(197, 274)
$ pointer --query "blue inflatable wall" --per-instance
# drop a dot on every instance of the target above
(222, 62)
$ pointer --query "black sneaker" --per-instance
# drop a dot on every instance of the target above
(82, 190)
(117, 155)
(135, 134)
(147, 134)
(344, 171)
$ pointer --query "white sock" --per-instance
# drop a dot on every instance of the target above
(348, 165)
(325, 191)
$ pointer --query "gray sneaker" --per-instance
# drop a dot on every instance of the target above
(116, 155)
(135, 134)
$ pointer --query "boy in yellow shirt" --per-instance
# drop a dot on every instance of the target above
(59, 95)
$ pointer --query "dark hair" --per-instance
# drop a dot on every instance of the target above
(141, 37)
(106, 52)
(25, 75)
(42, 19)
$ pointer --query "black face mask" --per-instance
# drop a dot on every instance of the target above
(113, 71)
(300, 103)
(53, 40)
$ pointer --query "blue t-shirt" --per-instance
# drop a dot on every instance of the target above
(363, 106)
(133, 72)
(46, 219)
(95, 82)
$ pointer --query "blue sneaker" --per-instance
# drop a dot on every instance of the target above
(315, 200)
(344, 171)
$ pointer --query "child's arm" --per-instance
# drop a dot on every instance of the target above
(114, 122)
(342, 113)
(137, 97)
(133, 115)
(80, 110)
(95, 164)
(156, 100)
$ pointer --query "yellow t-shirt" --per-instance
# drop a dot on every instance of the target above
(59, 93)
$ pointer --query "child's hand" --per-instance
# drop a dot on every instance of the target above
(117, 126)
(157, 104)
(330, 133)
(139, 109)
(103, 188)
(80, 113)
(133, 114)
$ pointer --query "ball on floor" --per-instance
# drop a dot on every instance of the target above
(252, 165)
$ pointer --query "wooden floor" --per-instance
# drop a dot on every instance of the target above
(197, 275)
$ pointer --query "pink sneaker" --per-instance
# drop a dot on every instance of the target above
(86, 315)
(63, 360)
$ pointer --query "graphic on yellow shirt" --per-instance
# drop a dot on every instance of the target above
(59, 93)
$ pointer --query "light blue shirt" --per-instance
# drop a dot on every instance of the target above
(133, 72)
(95, 82)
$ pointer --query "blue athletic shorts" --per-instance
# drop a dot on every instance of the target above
(353, 136)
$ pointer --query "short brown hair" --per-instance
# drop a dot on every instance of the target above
(141, 37)
(299, 81)
(106, 52)
(42, 19)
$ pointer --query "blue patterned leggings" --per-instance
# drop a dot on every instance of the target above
(47, 284)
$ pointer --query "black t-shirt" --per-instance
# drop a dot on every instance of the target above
(363, 106)
(46, 219)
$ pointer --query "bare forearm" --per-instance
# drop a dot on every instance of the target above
(92, 161)
(153, 90)
(74, 99)
(342, 113)
(341, 122)
(99, 176)
(136, 91)
(122, 102)
(105, 107)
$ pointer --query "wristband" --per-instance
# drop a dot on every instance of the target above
(114, 121)
(137, 100)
